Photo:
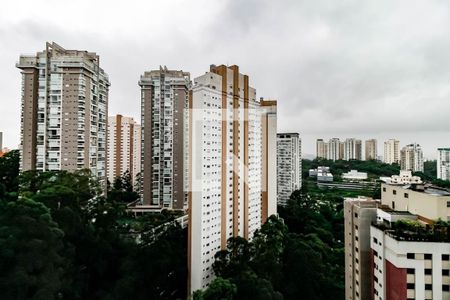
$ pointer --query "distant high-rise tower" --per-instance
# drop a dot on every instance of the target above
(1, 141)
(371, 149)
(352, 149)
(289, 165)
(391, 152)
(321, 149)
(64, 111)
(164, 102)
(443, 164)
(124, 147)
(229, 130)
(411, 158)
(334, 149)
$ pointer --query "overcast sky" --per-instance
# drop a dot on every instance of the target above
(348, 68)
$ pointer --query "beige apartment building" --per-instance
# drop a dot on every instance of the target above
(371, 150)
(391, 151)
(164, 102)
(321, 149)
(124, 147)
(64, 111)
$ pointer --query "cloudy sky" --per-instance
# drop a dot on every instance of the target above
(349, 68)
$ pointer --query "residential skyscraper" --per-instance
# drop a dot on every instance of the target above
(371, 149)
(334, 149)
(269, 159)
(321, 149)
(1, 141)
(443, 164)
(289, 165)
(391, 151)
(352, 149)
(164, 102)
(411, 158)
(124, 147)
(226, 151)
(64, 111)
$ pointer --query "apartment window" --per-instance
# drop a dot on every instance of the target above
(384, 189)
(393, 204)
(448, 203)
(428, 256)
(445, 257)
(375, 240)
(410, 286)
(356, 215)
(406, 195)
(428, 272)
(394, 192)
(428, 287)
(410, 271)
(446, 288)
(445, 272)
(410, 255)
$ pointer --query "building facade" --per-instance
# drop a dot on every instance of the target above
(371, 150)
(335, 149)
(124, 147)
(443, 164)
(289, 165)
(352, 149)
(64, 111)
(164, 103)
(391, 152)
(321, 149)
(359, 213)
(226, 125)
(411, 158)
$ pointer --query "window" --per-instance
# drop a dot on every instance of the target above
(446, 288)
(394, 192)
(445, 257)
(406, 195)
(428, 272)
(445, 272)
(384, 189)
(428, 287)
(428, 256)
(410, 271)
(356, 215)
(448, 203)
(410, 255)
(410, 286)
(393, 204)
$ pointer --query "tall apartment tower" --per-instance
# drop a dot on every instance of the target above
(269, 159)
(371, 149)
(321, 149)
(352, 149)
(64, 111)
(164, 102)
(359, 213)
(391, 152)
(124, 147)
(227, 127)
(411, 158)
(443, 164)
(1, 141)
(289, 165)
(334, 149)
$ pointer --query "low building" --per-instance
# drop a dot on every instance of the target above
(354, 175)
(405, 177)
(322, 173)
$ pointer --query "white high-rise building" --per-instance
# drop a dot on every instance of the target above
(352, 149)
(334, 149)
(124, 147)
(226, 139)
(64, 111)
(443, 164)
(289, 165)
(411, 158)
(391, 151)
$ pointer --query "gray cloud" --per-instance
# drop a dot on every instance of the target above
(338, 68)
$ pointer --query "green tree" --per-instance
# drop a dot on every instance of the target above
(122, 189)
(9, 173)
(30, 251)
(218, 289)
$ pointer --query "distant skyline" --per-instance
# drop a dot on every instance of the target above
(363, 69)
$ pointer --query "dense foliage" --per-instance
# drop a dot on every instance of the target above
(301, 257)
(60, 237)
